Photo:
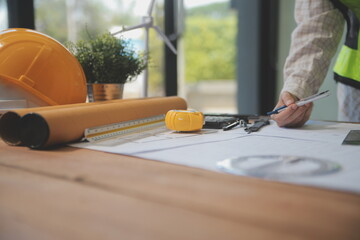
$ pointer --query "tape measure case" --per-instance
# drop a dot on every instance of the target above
(184, 120)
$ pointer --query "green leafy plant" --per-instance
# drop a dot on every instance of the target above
(107, 59)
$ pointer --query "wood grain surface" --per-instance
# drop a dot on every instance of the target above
(70, 193)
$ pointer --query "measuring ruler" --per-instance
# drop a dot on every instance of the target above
(124, 128)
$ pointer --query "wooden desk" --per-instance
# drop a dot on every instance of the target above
(70, 193)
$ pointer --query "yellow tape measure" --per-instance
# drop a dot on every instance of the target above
(184, 120)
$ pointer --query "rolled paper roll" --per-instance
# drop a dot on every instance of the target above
(63, 125)
(9, 121)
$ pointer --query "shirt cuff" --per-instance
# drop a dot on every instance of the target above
(299, 88)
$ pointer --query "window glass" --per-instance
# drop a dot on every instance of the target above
(78, 19)
(3, 15)
(208, 46)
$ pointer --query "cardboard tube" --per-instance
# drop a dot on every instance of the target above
(10, 121)
(10, 128)
(64, 125)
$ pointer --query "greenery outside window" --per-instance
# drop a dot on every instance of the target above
(77, 19)
(209, 48)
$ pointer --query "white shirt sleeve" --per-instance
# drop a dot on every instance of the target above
(313, 44)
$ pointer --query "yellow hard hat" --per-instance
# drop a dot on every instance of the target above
(40, 67)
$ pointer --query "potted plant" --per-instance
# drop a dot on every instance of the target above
(108, 63)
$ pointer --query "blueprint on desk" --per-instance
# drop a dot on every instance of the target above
(204, 149)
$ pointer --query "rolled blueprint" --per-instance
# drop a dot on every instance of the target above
(57, 125)
(10, 121)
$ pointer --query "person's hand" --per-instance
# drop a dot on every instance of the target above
(292, 116)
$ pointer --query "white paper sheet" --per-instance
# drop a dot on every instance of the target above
(321, 140)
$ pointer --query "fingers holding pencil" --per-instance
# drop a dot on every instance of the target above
(288, 114)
